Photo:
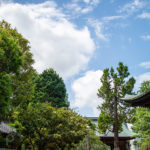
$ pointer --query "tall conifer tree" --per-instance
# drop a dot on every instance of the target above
(115, 85)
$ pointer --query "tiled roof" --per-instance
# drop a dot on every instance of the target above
(138, 100)
(126, 132)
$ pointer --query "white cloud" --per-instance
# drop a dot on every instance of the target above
(85, 89)
(95, 2)
(132, 7)
(80, 7)
(111, 18)
(55, 41)
(92, 2)
(98, 26)
(86, 1)
(145, 37)
(141, 78)
(87, 9)
(144, 15)
(73, 6)
(145, 64)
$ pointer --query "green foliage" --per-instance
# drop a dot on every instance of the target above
(145, 145)
(11, 60)
(5, 93)
(22, 85)
(50, 87)
(105, 122)
(11, 57)
(141, 124)
(44, 127)
(145, 87)
(114, 86)
(91, 141)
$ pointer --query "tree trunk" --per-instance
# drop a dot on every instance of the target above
(89, 144)
(116, 139)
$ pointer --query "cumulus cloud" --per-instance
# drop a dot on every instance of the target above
(55, 41)
(144, 15)
(85, 89)
(145, 64)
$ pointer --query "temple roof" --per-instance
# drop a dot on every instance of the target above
(142, 100)
(126, 132)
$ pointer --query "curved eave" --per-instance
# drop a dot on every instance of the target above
(142, 100)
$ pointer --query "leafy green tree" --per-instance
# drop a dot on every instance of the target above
(5, 93)
(113, 111)
(146, 144)
(44, 127)
(50, 87)
(11, 56)
(145, 87)
(141, 124)
(22, 85)
(11, 60)
(91, 142)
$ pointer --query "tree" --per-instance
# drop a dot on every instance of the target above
(113, 111)
(11, 60)
(5, 93)
(146, 144)
(141, 124)
(22, 85)
(95, 143)
(11, 56)
(41, 126)
(50, 87)
(145, 87)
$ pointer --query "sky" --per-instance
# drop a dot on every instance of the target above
(80, 38)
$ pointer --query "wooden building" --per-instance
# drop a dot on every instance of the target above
(142, 100)
(124, 137)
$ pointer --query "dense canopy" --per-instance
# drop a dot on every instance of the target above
(50, 87)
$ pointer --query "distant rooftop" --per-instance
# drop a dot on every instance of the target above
(92, 118)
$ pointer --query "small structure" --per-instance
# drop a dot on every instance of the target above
(142, 100)
(124, 137)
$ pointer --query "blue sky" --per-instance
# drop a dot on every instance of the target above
(80, 38)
